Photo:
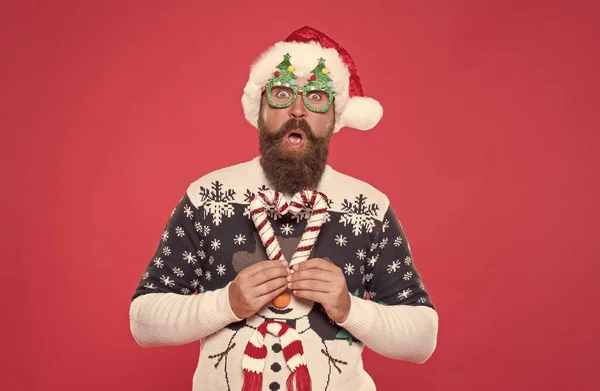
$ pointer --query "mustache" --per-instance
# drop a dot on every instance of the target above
(295, 123)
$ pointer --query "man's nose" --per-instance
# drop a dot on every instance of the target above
(298, 109)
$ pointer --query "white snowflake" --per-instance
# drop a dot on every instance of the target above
(145, 275)
(207, 276)
(159, 263)
(215, 244)
(422, 300)
(217, 202)
(198, 271)
(201, 243)
(404, 294)
(200, 289)
(149, 286)
(178, 272)
(185, 291)
(361, 254)
(367, 277)
(362, 269)
(408, 276)
(392, 268)
(372, 294)
(340, 240)
(287, 229)
(272, 213)
(179, 231)
(398, 241)
(349, 268)
(359, 215)
(188, 212)
(199, 227)
(206, 230)
(189, 257)
(167, 281)
(165, 236)
(303, 214)
(247, 212)
(384, 243)
(201, 254)
(373, 260)
(195, 283)
(239, 239)
(211, 260)
(374, 246)
(386, 225)
(166, 250)
(422, 286)
(407, 260)
(221, 269)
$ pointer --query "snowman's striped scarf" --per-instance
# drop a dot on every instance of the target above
(255, 355)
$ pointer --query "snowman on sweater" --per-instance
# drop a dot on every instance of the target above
(291, 348)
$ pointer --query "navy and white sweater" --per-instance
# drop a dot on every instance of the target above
(182, 295)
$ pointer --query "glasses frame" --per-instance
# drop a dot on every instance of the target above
(298, 91)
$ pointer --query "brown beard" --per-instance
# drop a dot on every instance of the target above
(292, 171)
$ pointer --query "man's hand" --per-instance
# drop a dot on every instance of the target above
(257, 285)
(322, 281)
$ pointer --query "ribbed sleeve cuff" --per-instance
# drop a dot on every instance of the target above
(220, 313)
(360, 317)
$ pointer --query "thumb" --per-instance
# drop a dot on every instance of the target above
(272, 295)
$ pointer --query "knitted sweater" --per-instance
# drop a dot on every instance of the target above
(182, 296)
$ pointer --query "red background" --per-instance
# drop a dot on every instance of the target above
(487, 149)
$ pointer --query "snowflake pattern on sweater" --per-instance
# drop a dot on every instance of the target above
(209, 238)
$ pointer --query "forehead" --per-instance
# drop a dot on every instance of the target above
(301, 81)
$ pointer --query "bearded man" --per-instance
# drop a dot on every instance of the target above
(283, 267)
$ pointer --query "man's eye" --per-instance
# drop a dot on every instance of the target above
(282, 94)
(314, 96)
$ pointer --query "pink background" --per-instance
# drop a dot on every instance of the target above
(488, 149)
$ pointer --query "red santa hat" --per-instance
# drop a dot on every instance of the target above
(305, 46)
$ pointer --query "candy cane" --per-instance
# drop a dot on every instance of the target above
(318, 203)
(258, 212)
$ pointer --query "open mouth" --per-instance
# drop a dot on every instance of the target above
(295, 138)
(281, 312)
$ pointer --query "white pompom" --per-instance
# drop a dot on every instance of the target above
(361, 113)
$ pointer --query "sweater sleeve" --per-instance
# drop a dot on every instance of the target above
(169, 306)
(399, 319)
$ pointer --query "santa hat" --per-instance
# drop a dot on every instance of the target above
(305, 46)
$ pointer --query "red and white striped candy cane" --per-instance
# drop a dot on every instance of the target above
(258, 213)
(307, 198)
(318, 203)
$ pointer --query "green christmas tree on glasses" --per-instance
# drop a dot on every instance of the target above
(282, 89)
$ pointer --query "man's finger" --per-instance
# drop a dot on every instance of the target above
(267, 274)
(310, 285)
(312, 274)
(314, 263)
(318, 297)
(261, 266)
(270, 286)
(264, 299)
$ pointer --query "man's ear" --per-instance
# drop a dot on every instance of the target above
(263, 99)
